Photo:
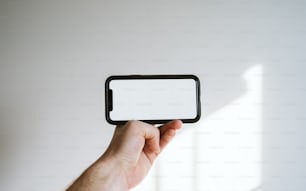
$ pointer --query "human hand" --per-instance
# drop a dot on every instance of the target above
(128, 158)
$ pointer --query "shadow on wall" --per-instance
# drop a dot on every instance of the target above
(224, 149)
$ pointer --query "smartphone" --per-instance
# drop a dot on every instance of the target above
(154, 99)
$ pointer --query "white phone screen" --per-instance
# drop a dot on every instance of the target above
(153, 99)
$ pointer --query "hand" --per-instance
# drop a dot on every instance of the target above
(129, 157)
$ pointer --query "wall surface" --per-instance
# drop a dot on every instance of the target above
(250, 56)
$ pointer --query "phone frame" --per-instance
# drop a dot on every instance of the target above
(109, 101)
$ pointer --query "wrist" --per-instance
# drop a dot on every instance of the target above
(103, 175)
(108, 175)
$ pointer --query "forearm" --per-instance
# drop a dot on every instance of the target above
(101, 176)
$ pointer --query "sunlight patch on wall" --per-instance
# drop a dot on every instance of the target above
(223, 152)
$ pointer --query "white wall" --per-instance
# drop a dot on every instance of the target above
(55, 56)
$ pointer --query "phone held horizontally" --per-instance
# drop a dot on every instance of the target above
(155, 99)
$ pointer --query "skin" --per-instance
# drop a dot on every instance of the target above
(128, 158)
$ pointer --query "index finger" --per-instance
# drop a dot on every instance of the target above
(168, 131)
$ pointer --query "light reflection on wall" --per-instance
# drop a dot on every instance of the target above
(222, 152)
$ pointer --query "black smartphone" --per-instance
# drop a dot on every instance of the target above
(154, 99)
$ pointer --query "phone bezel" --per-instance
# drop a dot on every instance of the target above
(108, 97)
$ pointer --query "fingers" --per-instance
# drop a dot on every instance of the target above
(175, 124)
(143, 136)
(156, 139)
(148, 132)
(152, 138)
(168, 131)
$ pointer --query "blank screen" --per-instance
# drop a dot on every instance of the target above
(153, 99)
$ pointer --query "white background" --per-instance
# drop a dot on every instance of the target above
(249, 55)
